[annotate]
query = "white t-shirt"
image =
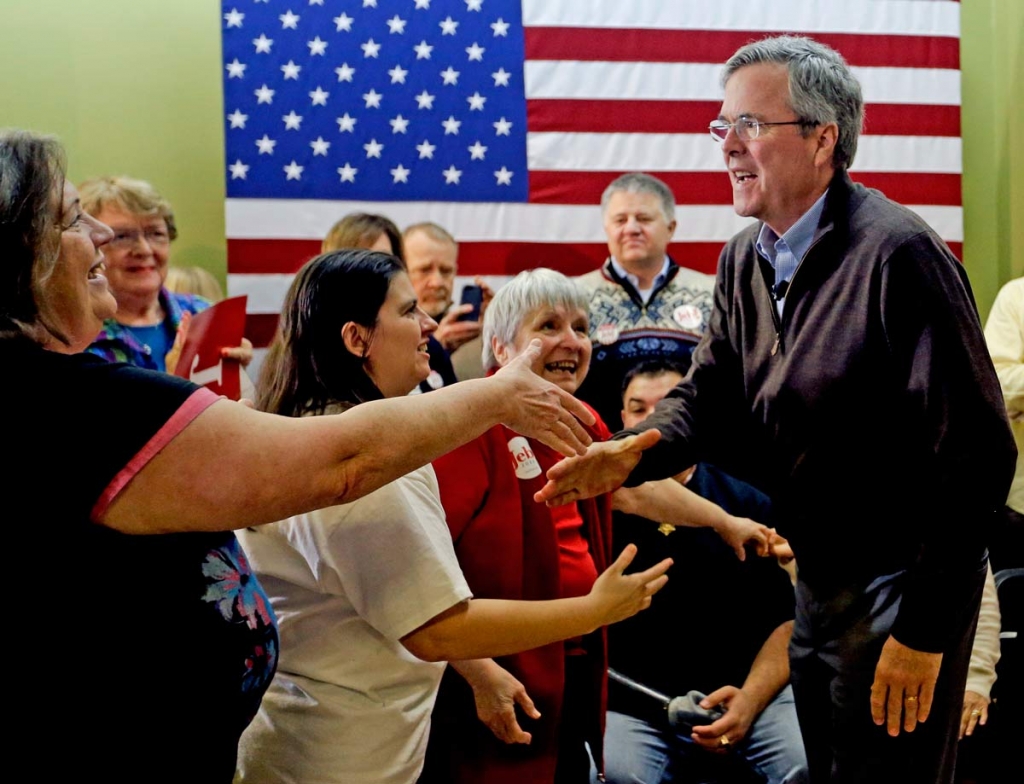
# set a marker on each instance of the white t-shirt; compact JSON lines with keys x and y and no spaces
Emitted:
{"x":349,"y":703}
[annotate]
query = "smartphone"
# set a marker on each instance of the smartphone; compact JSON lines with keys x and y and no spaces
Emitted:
{"x":472,"y":295}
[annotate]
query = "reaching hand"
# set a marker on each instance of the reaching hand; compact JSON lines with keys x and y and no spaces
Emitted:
{"x":778,"y":546}
{"x":619,"y":596}
{"x":904,"y":684}
{"x":738,"y":531}
{"x":731,"y":728}
{"x":603,"y":469}
{"x":539,"y":409}
{"x":496,"y":694}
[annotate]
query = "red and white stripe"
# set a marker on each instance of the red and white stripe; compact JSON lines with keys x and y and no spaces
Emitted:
{"x":615,"y":86}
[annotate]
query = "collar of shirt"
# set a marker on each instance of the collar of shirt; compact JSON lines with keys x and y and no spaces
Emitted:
{"x":784,"y":253}
{"x":645,"y":294}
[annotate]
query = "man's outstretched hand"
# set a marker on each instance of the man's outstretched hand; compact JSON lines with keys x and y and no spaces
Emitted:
{"x":602,"y":469}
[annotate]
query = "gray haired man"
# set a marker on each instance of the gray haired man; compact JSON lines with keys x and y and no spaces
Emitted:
{"x":844,"y":373}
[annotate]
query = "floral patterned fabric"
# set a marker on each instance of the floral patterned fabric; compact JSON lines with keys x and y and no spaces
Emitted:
{"x":132,"y":658}
{"x":239,"y":598}
{"x":116,"y":343}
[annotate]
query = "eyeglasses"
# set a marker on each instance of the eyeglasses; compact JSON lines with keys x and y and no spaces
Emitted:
{"x":125,"y":239}
{"x":747,"y":128}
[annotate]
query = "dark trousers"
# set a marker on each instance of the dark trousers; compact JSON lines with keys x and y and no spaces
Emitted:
{"x":833,"y":652}
{"x":1006,"y":544}
{"x":577,"y":714}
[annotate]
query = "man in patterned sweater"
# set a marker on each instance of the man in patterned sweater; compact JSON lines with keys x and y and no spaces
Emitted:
{"x":643,"y":305}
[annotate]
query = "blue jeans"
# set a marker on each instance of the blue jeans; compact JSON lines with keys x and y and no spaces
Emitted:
{"x":636,"y":752}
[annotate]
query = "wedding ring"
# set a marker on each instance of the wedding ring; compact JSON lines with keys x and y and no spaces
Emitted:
{"x":975,"y":712}
{"x":911,"y":699}
{"x":724,"y":741}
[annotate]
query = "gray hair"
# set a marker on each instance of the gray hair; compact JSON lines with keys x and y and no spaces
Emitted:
{"x":821,"y":86}
{"x":638,"y":182}
{"x":32,"y":168}
{"x":525,"y":293}
{"x":136,"y":197}
{"x":432,"y":230}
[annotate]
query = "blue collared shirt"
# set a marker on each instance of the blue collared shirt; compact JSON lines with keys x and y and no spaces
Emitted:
{"x":645,"y":294}
{"x":784,"y":253}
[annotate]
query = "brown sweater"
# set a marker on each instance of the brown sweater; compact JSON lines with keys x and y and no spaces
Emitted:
{"x":870,"y":412}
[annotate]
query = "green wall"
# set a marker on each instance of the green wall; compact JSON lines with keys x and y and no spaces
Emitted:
{"x":992,"y":38}
{"x":127,"y":86}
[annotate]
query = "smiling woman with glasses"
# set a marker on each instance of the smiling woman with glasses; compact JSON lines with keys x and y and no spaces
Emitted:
{"x":149,"y":317}
{"x":126,"y":239}
{"x":747,"y":128}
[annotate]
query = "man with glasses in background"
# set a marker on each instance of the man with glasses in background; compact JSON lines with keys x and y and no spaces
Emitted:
{"x":432,"y":258}
{"x":844,"y":373}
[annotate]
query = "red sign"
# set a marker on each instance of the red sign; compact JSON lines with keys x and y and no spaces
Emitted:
{"x":218,"y":327}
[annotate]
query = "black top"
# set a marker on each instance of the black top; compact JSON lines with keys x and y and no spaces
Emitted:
{"x":441,"y":364}
{"x":141,"y":658}
{"x":706,"y":626}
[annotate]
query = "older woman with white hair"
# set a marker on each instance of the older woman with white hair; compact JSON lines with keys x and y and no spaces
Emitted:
{"x":510,"y":547}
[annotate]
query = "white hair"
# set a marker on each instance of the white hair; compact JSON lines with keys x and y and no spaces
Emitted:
{"x":526,"y":292}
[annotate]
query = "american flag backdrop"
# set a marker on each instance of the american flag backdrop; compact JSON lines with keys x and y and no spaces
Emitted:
{"x":504,"y":120}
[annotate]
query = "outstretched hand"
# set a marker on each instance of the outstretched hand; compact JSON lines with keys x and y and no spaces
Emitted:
{"x":737,"y":532}
{"x":779,"y":548}
{"x":619,"y":596}
{"x":538,"y":409}
{"x":603,"y":469}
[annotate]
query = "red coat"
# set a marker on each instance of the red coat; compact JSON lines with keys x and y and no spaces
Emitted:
{"x":507,"y":548}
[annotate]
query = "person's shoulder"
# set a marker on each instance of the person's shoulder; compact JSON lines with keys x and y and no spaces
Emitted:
{"x":395,"y":492}
{"x":690,"y":278}
{"x":887,"y":215}
{"x":874,"y":220}
{"x":419,"y":483}
{"x":742,"y":242}
{"x":595,"y":278}
{"x":1012,"y":292}
{"x":41,"y":368}
{"x":187,"y":303}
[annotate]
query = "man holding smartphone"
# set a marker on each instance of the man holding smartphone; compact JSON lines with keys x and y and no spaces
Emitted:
{"x":431,"y":254}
